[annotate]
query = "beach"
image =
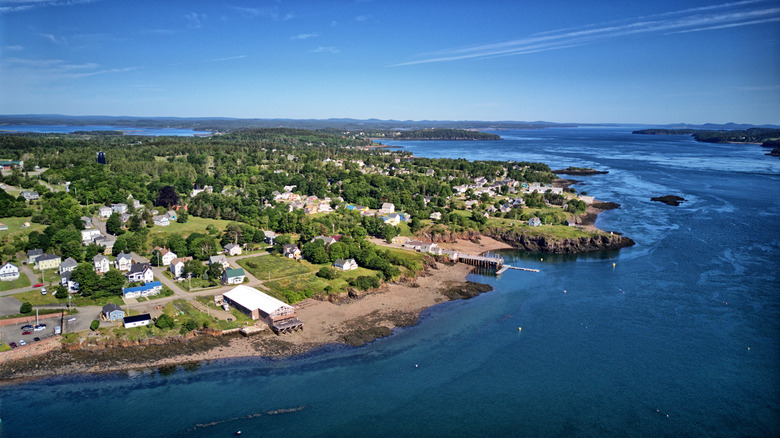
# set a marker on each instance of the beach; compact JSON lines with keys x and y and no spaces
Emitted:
{"x":350,"y":321}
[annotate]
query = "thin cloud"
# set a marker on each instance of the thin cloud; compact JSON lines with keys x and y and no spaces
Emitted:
{"x":272,"y":13}
{"x":50,"y":69}
{"x":14,"y":48}
{"x":304,"y":36}
{"x":54,"y":39}
{"x":229,"y":58}
{"x":194,"y":20}
{"x":26,"y":5}
{"x":689,"y":20}
{"x":326,"y":49}
{"x":362,"y":18}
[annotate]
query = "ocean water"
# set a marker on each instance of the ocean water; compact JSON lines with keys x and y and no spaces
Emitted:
{"x":128,"y":130}
{"x":676,"y":336}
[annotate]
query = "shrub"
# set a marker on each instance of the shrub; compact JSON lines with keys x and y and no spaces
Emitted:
{"x":94,"y":325}
{"x":327,"y":273}
{"x":25,"y":308}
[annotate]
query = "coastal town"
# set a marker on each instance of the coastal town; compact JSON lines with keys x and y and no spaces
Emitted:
{"x":95,"y":256}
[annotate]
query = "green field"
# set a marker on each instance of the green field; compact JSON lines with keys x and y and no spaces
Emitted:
{"x":271,"y":266}
{"x":15,"y":226}
{"x":22,"y":281}
{"x":194,"y":225}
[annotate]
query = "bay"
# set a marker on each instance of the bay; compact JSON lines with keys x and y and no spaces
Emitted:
{"x":676,"y":336}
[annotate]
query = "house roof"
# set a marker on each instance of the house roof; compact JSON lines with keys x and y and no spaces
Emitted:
{"x":252,"y":298}
{"x":68,"y":262}
{"x":238,"y":272}
{"x":122,"y":255}
{"x":110,"y":307}
{"x":99,"y":258}
{"x":137,"y":318}
{"x":217,"y":259}
{"x":138,"y":267}
{"x":230,"y":246}
{"x":344,"y":261}
{"x":48,"y":257}
{"x":147,"y":286}
{"x":36,"y":251}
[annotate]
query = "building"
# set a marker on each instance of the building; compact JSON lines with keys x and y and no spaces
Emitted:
{"x":233,"y":276}
{"x":151,"y":288}
{"x":112,"y":312}
{"x":140,"y":272}
{"x":123,"y":262}
{"x":101,"y":158}
{"x":327,"y":241}
{"x":48,"y":261}
{"x":65,"y":280}
{"x":177,"y":266}
{"x":68,"y":265}
{"x":87,"y":222}
{"x":387,"y":208}
{"x":535,"y":222}
{"x":162,"y":220}
{"x":106,"y":242}
{"x":435,"y":216}
{"x":345,"y":264}
{"x":172,"y":216}
{"x":9,"y":272}
{"x":137,"y":320}
{"x":30,"y":195}
{"x":3,"y":227}
{"x":291,"y":251}
{"x":105,"y":212}
{"x":391,"y":219}
{"x":279,"y":316}
{"x":269,"y":237}
{"x":89,"y":235}
{"x":33,"y":255}
{"x":166,"y":255}
{"x":233,"y":249}
{"x":219,"y":260}
{"x":119,"y":208}
{"x":102,"y":265}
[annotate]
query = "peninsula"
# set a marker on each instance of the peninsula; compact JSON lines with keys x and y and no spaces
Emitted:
{"x":358,"y":240}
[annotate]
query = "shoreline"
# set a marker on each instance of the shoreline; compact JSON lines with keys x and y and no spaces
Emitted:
{"x":352,"y":322}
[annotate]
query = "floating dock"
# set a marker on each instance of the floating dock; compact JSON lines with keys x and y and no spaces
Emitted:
{"x":505,"y":267}
{"x":481,"y":261}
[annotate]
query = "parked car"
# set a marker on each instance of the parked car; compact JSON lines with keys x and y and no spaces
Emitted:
{"x":71,"y":319}
{"x":38,"y":285}
{"x":40,"y":327}
{"x":57,"y":330}
{"x":22,"y":343}
{"x":27,"y":327}
{"x":13,"y":344}
{"x":36,"y":339}
{"x":43,"y":291}
{"x":26,"y":332}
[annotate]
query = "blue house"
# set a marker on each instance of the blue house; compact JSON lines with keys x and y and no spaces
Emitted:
{"x":151,"y":288}
{"x":112,"y":312}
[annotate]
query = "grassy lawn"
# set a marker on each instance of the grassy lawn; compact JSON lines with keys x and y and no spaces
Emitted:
{"x":272,"y":266}
{"x":22,"y":281}
{"x":15,"y":226}
{"x":166,"y":292}
{"x":197,"y":284}
{"x":194,"y":225}
{"x":552,"y":231}
{"x":183,"y":311}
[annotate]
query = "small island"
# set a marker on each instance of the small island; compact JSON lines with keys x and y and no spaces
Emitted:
{"x":669,"y":200}
{"x":766,"y":137}
{"x":582,"y":171}
{"x":436,"y":134}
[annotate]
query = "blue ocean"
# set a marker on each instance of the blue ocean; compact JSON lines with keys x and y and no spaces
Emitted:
{"x":678,"y":335}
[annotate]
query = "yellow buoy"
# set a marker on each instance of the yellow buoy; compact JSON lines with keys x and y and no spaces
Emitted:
{"x":613,"y":265}
{"x":521,"y":329}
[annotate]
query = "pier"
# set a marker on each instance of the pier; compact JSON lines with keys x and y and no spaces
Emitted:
{"x":481,"y":261}
{"x":505,"y":267}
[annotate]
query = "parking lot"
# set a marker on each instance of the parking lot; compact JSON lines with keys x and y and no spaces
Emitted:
{"x":69,"y":323}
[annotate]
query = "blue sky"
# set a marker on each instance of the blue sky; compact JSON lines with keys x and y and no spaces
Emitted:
{"x":564,"y":61}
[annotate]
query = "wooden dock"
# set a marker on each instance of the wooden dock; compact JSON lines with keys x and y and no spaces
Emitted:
{"x":481,"y":261}
{"x":505,"y":267}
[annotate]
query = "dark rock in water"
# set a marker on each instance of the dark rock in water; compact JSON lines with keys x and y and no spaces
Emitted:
{"x":669,"y":200}
{"x":466,"y":290}
{"x":582,"y":171}
{"x":531,"y":243}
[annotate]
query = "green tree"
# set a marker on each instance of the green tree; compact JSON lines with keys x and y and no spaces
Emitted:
{"x":327,"y":273}
{"x":111,"y":283}
{"x":94,"y":325}
{"x":25,"y":308}
{"x":60,"y":292}
{"x":114,"y":224}
{"x":164,"y":321}
{"x":87,"y":278}
{"x":182,"y":216}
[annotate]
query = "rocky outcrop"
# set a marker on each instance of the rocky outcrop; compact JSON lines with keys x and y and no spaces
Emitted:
{"x":602,"y":242}
{"x":446,"y":236}
{"x":672,"y":200}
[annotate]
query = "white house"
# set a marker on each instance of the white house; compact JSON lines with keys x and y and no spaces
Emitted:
{"x":387,"y":208}
{"x":150,"y":288}
{"x":65,"y":280}
{"x":89,"y":235}
{"x":105,"y":212}
{"x":162,"y":221}
{"x":233,"y":276}
{"x":177,"y":266}
{"x":102,"y":264}
{"x":123,"y":261}
{"x":232,"y":249}
{"x":345,"y":265}
{"x":30,"y":195}
{"x":140,"y":272}
{"x":119,"y":208}
{"x":68,"y":265}
{"x":435,"y":216}
{"x":258,"y":305}
{"x":9,"y":272}
{"x":219,"y":259}
{"x":137,"y":320}
{"x":166,"y":255}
